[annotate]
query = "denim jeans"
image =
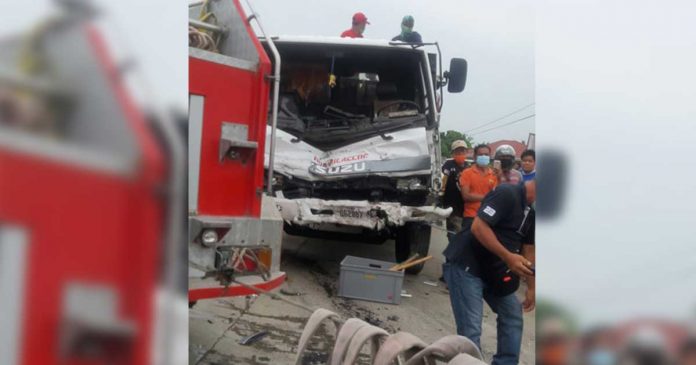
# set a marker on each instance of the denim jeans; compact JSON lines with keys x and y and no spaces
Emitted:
{"x":467,"y":293}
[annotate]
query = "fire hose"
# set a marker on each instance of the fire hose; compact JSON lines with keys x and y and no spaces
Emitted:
{"x":385,"y":348}
{"x":203,"y":39}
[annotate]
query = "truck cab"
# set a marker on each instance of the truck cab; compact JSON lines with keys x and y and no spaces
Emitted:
{"x":357,"y":150}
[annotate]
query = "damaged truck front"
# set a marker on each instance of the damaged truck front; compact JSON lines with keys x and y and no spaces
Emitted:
{"x":357,"y":151}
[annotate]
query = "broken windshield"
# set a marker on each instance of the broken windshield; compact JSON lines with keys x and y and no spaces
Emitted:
{"x":336,"y":94}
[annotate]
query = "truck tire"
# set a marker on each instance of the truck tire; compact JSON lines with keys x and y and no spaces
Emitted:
{"x":410,"y":239}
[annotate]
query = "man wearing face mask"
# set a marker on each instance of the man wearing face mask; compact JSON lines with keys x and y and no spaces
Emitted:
{"x":506,"y":174}
{"x":475,"y":182}
{"x":597,"y":347}
{"x":450,"y":182}
{"x":407,"y":34}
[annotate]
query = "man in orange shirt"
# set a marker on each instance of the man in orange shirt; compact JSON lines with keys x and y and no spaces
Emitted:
{"x":475,"y":182}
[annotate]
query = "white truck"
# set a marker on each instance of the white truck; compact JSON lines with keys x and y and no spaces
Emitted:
{"x":357,"y":151}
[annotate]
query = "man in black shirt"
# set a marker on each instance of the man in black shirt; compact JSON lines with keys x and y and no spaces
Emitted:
{"x":452,"y":195}
{"x":487,"y":262}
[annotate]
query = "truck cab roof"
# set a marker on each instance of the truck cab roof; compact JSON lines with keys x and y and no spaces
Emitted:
{"x":365,"y":42}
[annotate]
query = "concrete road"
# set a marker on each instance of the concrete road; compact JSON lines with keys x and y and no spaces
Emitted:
{"x":312,"y":265}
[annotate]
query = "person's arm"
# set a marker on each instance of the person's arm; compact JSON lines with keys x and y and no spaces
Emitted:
{"x":445,"y":175}
{"x":528,"y":251}
{"x":529,"y":254}
{"x":470,"y":197}
{"x":484,"y":234}
{"x":530,"y":296}
{"x":499,"y":174}
{"x":465,"y":187}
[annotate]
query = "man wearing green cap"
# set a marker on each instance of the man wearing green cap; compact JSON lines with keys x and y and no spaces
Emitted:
{"x":407,"y":34}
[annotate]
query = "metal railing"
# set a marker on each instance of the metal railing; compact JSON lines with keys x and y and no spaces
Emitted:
{"x":206,"y":26}
{"x":276,"y":92}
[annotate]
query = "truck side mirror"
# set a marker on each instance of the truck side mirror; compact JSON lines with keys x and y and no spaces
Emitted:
{"x":456,"y":76}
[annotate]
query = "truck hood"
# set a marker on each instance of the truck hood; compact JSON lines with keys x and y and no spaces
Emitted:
{"x":406,"y":154}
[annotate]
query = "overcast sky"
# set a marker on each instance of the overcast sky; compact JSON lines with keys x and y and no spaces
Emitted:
{"x":496,"y":38}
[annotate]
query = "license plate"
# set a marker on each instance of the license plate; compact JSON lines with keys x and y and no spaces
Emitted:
{"x":350,"y":213}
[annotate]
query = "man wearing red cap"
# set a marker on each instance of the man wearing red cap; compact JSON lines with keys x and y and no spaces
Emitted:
{"x":359,"y":22}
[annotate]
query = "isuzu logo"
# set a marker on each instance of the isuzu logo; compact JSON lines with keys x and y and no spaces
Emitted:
{"x":338,"y":170}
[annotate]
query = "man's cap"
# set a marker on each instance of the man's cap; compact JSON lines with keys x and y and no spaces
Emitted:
{"x":408,"y":21}
{"x":458,"y":144}
{"x":360,"y":18}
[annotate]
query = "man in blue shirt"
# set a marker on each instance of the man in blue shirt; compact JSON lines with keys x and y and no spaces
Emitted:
{"x":528,"y":165}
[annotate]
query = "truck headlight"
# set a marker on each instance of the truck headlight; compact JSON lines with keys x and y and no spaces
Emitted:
{"x":410,"y":184}
{"x":278,"y":179}
{"x":209,"y":237}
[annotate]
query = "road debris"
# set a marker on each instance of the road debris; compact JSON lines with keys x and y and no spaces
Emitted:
{"x":250,"y":340}
{"x":408,"y":264}
{"x":410,"y":259}
{"x":314,"y":358}
{"x":289,"y":292}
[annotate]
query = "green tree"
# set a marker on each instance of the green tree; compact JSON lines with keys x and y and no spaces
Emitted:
{"x":547,"y":309}
{"x":446,"y":139}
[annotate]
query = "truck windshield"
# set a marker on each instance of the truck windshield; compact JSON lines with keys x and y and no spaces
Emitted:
{"x":331,"y":95}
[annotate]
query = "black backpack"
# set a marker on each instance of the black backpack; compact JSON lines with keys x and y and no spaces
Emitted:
{"x":499,"y":280}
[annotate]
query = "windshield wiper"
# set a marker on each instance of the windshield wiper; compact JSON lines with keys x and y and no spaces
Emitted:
{"x":381,"y":132}
{"x":335,"y":112}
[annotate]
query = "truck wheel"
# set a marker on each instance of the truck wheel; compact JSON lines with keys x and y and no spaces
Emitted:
{"x":410,"y":239}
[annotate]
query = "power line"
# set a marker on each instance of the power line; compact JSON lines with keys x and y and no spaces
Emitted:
{"x":503,"y":117}
{"x":503,"y":125}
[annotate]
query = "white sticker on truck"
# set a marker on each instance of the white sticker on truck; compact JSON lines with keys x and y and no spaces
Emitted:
{"x":406,"y":154}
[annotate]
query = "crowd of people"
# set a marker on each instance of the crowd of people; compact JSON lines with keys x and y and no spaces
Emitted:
{"x":491,"y":241}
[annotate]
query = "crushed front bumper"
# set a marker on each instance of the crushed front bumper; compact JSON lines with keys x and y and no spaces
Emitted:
{"x":358,"y":213}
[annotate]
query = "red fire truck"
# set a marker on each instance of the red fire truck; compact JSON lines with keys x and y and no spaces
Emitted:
{"x":92,"y":198}
{"x":89,"y":201}
{"x":235,"y":228}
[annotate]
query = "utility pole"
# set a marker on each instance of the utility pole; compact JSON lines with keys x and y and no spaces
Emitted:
{"x":531,"y":141}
